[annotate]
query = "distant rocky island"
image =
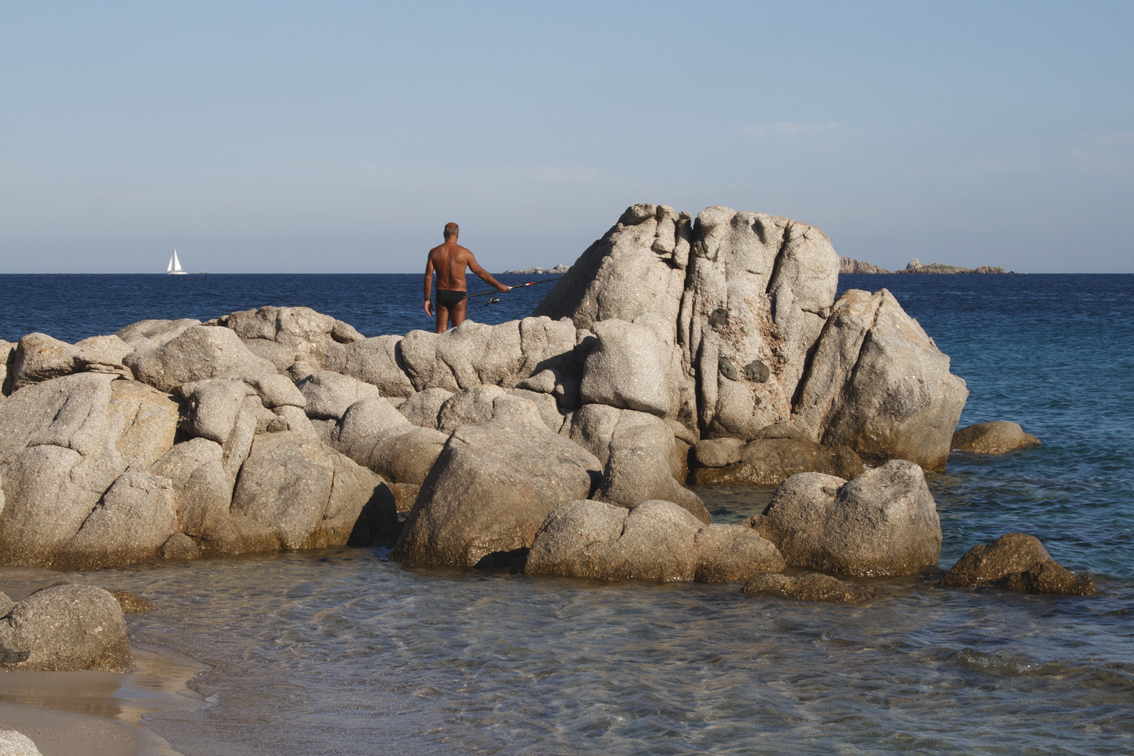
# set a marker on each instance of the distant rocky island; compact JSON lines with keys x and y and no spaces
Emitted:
{"x":559,"y":270}
{"x":848,"y":265}
{"x":915,"y":266}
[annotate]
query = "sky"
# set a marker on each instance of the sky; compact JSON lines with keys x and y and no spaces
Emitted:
{"x":340,"y":137}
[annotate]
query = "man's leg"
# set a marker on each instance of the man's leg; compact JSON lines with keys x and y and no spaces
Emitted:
{"x":458,"y":311}
{"x":442,"y":314}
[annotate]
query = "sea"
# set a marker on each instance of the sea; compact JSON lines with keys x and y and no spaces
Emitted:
{"x":347,"y":652}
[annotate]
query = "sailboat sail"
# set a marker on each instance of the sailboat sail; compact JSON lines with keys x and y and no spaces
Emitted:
{"x":174,"y":267}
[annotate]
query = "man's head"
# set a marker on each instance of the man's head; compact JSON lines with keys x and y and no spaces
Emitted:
{"x":451,"y":230}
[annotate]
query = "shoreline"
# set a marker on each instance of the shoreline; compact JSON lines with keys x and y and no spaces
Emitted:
{"x":100,"y":713}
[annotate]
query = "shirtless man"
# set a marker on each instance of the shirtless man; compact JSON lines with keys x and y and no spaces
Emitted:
{"x":450,"y":260}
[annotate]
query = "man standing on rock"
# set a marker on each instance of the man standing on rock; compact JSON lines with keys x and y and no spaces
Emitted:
{"x":450,"y":260}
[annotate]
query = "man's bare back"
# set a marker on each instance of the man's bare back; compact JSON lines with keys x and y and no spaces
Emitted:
{"x":449,"y":261}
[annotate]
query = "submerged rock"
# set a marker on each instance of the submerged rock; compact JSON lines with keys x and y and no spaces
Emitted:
{"x":997,"y":437}
{"x":809,"y":587}
{"x":1018,"y":562}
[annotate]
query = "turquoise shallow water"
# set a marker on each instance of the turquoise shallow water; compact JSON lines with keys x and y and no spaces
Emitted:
{"x":346,"y":652}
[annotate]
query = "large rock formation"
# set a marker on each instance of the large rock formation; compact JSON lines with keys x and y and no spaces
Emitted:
{"x":741,"y":333}
{"x":286,"y":428}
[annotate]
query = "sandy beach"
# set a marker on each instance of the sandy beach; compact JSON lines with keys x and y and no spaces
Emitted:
{"x":98,"y":713}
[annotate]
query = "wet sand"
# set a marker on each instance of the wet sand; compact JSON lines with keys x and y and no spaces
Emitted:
{"x":98,"y":713}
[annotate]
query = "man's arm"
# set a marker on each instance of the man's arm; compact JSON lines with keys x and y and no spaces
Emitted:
{"x":484,"y":275}
{"x":428,"y":283}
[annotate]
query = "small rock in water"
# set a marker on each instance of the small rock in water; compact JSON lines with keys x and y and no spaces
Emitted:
{"x":1020,"y":563}
{"x":997,"y":437}
{"x":131,"y":603}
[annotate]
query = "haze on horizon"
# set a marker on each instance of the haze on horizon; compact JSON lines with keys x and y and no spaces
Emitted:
{"x":259,"y":137}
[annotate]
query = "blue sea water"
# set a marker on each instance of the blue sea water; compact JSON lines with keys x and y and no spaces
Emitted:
{"x":346,"y":652}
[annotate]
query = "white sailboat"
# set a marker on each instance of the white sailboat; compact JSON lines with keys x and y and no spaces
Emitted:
{"x":174,"y":267}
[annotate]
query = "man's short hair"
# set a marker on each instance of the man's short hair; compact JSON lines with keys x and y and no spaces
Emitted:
{"x":451,"y":229}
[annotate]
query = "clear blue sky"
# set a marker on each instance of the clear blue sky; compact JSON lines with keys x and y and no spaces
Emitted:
{"x":341,"y":136}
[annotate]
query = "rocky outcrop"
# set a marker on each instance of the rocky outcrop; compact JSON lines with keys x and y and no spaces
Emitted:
{"x":1018,"y":562}
{"x":7,"y":352}
{"x":768,"y":461}
{"x":377,"y":361}
{"x":39,"y":357}
{"x":809,"y":587}
{"x":850,"y":266}
{"x":996,"y":437}
{"x":629,"y":366}
{"x":297,"y":340}
{"x":328,"y":395}
{"x":491,"y":488}
{"x":654,"y":541}
{"x":758,"y":292}
{"x":286,"y":428}
{"x":744,"y":335}
{"x":197,"y":353}
{"x":476,"y":354}
{"x":147,"y":335}
{"x":484,"y":404}
{"x":91,"y":477}
{"x":637,"y":267}
{"x":882,"y":523}
{"x":65,"y":628}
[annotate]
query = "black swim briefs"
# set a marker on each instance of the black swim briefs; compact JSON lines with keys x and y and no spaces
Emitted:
{"x":448,"y":298}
